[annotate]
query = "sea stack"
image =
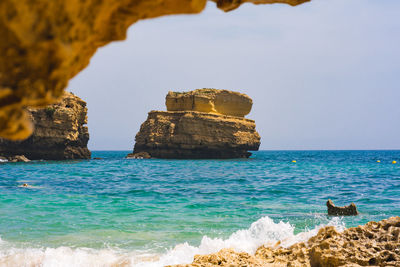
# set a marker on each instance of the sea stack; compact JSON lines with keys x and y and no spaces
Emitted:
{"x":200,"y":124}
{"x":60,"y":133}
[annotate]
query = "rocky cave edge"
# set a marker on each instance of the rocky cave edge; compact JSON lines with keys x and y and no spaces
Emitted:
{"x":46,"y":43}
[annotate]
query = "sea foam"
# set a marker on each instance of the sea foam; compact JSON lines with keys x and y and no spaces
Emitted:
{"x":262,"y":232}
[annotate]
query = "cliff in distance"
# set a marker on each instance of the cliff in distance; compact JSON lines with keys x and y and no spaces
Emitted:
{"x":198,"y":127}
{"x":60,"y":132}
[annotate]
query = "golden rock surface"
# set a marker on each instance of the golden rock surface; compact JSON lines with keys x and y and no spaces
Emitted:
{"x":60,"y":132}
{"x":195,"y":127}
{"x":373,"y":244}
{"x":193,"y":134}
{"x":44,"y":43}
{"x":216,"y":101}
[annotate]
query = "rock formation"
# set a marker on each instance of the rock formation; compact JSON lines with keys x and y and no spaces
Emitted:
{"x":140,"y":155}
{"x":59,"y":133}
{"x":199,"y":128}
{"x":376,"y":244}
{"x":46,"y":43}
{"x":350,"y":210}
{"x":222,"y":102}
{"x":16,"y":158}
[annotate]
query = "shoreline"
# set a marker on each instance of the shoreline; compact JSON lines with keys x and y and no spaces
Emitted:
{"x":375,"y":243}
{"x":372,"y":244}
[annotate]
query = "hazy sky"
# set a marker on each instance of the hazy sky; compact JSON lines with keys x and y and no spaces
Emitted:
{"x":322,"y":75}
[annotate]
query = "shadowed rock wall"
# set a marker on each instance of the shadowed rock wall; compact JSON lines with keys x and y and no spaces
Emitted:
{"x":44,"y":43}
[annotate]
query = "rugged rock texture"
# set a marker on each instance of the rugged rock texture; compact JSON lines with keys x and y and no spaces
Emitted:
{"x":17,"y":158}
{"x":225,"y":257}
{"x":374,"y":244}
{"x":140,"y":155}
{"x":192,"y":134}
{"x":210,"y":100}
{"x":59,"y":132}
{"x":44,"y":43}
{"x":350,"y":210}
{"x":197,"y":129}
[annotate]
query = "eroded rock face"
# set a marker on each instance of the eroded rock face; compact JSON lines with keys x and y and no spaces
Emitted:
{"x":222,"y":102}
{"x":60,"y":132}
{"x":45,"y":43}
{"x":197,"y":128}
{"x":16,"y":158}
{"x":376,"y":244}
{"x":140,"y":155}
{"x":196,"y":135}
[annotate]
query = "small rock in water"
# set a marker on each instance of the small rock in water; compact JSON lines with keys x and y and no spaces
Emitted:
{"x":21,"y":158}
{"x":140,"y":155}
{"x":18,"y":158}
{"x":350,"y":210}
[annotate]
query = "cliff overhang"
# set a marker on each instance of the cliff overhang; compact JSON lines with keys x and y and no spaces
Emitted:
{"x":46,"y":43}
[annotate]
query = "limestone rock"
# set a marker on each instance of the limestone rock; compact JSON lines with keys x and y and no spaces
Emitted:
{"x":16,"y":158}
{"x":60,"y":132}
{"x":376,"y":244}
{"x":225,"y":258}
{"x":20,"y":158}
{"x":210,"y":100}
{"x":198,"y":134}
{"x":350,"y":210}
{"x":140,"y":155}
{"x":45,"y":43}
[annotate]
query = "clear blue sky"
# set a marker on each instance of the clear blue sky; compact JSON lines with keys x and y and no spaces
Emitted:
{"x":323,"y":75}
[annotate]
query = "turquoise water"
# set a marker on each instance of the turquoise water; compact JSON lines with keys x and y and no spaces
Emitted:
{"x":140,"y":210}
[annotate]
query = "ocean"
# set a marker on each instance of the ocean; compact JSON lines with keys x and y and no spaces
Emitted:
{"x":131,"y":212}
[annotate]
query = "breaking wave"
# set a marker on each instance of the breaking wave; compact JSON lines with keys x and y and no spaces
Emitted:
{"x":262,"y":232}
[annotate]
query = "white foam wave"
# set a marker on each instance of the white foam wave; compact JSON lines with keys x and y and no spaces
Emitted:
{"x":262,"y":232}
